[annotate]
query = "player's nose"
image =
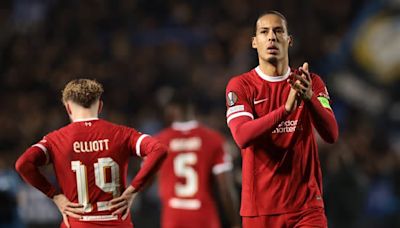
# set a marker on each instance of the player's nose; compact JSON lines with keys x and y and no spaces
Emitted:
{"x":271,"y":35}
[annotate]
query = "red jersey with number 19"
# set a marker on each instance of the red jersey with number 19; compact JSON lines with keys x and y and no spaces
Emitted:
{"x":281,"y":168}
{"x":90,"y":160}
{"x":196,"y":153}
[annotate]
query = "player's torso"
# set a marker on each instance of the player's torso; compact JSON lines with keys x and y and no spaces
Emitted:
{"x":266,"y":96}
{"x":90,"y":159}
{"x":185,"y":177}
{"x":279,"y":167}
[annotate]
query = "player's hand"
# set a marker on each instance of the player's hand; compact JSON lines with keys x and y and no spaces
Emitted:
{"x":122,"y":204}
{"x":291,"y":102}
{"x":67,"y":208}
{"x":302,"y":83}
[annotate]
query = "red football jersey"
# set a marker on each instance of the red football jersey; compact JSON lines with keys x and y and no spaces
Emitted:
{"x":90,"y":159}
{"x":281,"y":170}
{"x":196,"y":153}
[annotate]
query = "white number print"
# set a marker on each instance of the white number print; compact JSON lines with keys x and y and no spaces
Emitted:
{"x":183,"y":168}
{"x":100,"y":170}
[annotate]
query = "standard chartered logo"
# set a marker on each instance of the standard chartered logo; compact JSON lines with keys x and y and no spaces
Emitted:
{"x":286,"y":126}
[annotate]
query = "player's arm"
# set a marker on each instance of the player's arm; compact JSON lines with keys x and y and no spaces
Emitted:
{"x":28,"y":165}
{"x":222,"y":171}
{"x":244,"y":127}
{"x":228,"y":196}
{"x":154,"y":153}
{"x":322,"y":115}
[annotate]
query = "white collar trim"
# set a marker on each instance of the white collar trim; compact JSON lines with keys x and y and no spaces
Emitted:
{"x":85,"y":119}
{"x":272,"y":78}
{"x":184,"y":126}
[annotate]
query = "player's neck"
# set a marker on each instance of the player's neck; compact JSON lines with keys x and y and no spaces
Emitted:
{"x":277,"y":69}
{"x":82,"y":115}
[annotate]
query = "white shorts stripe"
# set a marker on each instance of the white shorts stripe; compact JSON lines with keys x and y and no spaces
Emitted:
{"x":138,"y":142}
{"x":233,"y":116}
{"x":99,"y":218}
{"x":186,"y":204}
{"x":220,"y":168}
{"x":44,"y":149}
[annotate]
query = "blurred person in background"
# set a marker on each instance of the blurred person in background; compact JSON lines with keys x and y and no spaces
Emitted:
{"x":271,"y":112}
{"x":10,"y":185}
{"x":197,"y":159}
{"x":90,"y":158}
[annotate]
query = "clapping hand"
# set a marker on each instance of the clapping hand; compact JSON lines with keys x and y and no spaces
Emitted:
{"x":302,"y":83}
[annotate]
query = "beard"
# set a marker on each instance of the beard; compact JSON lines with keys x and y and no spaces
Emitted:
{"x":273,"y":60}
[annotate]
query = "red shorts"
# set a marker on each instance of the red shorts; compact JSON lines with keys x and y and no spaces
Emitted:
{"x":74,"y":223}
{"x":173,"y":218}
{"x":313,"y":217}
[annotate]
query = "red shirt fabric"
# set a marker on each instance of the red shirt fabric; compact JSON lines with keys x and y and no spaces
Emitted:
{"x":281,"y":170}
{"x":90,"y":158}
{"x":196,"y":154}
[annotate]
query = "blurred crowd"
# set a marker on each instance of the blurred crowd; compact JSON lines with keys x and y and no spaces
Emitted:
{"x":144,"y":50}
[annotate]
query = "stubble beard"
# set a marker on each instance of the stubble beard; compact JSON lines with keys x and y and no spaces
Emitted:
{"x":273,"y":60}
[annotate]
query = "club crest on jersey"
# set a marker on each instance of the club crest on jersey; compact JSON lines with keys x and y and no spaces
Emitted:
{"x":231,"y":98}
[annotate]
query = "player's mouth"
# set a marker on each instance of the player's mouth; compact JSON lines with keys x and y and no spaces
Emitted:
{"x":272,"y":49}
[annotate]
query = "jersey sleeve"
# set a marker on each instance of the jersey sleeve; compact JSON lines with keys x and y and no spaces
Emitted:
{"x":322,"y":115}
{"x":28,"y":165}
{"x":140,"y":144}
{"x":321,"y":92}
{"x":152,"y":151}
{"x":44,"y":146}
{"x":222,"y":161}
{"x":237,"y":101}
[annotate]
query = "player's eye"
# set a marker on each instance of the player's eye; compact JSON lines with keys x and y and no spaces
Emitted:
{"x":279,"y":31}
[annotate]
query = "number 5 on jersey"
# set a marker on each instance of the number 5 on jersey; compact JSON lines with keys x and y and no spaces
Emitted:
{"x":183,"y":168}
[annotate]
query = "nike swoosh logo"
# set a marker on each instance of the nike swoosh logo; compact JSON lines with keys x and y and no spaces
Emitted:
{"x":259,"y":101}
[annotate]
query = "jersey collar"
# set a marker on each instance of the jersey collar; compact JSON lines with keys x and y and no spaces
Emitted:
{"x":272,"y":78}
{"x":184,"y":126}
{"x":85,"y":119}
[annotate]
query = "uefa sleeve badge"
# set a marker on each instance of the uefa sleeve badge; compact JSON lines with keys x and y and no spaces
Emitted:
{"x":231,"y":98}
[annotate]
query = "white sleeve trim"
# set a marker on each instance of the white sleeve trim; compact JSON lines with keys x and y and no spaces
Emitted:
{"x":138,"y":142}
{"x":44,"y":149}
{"x":233,"y":116}
{"x":223,"y":167}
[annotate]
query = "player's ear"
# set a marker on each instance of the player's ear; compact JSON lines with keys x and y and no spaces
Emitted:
{"x":100,"y":107}
{"x":290,"y":39}
{"x":68,"y":108}
{"x":253,"y":42}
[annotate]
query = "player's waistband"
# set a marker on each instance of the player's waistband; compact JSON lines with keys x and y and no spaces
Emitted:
{"x":99,"y":218}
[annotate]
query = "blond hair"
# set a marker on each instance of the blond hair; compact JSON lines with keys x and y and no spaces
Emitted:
{"x":84,"y":92}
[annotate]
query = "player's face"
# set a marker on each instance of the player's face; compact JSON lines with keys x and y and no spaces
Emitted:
{"x":271,"y":39}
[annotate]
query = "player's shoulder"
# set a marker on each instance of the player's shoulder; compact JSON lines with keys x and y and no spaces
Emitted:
{"x":242,"y":79}
{"x":164,"y":133}
{"x":315,"y":76}
{"x":55,"y":133}
{"x":110,"y":126}
{"x":210,"y":133}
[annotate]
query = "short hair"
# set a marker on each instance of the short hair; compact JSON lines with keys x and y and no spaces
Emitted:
{"x":84,"y":92}
{"x":274,"y":12}
{"x":182,"y":99}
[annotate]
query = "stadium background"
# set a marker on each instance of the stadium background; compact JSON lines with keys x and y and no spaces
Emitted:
{"x":142,"y":50}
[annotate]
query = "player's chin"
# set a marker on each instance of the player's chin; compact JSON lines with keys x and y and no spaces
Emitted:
{"x":272,"y":59}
